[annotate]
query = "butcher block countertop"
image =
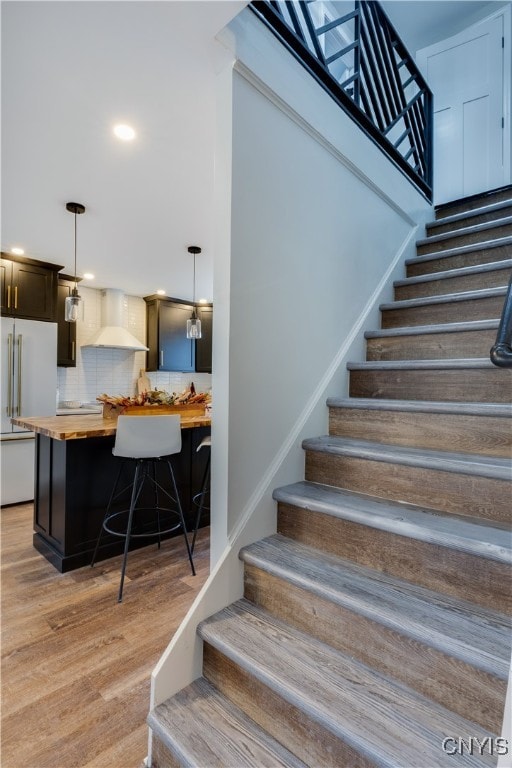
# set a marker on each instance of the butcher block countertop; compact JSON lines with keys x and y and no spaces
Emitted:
{"x":94,"y":425}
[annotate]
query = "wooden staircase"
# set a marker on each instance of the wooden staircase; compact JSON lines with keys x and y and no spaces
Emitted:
{"x":374,"y":623}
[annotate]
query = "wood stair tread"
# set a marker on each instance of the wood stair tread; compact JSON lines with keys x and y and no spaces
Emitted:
{"x":200,"y":726}
{"x":461,"y":249}
{"x":418,"y":330}
{"x":479,"y":198}
{"x":387,"y":723}
{"x":463,"y":534}
{"x":474,"y":212}
{"x":473,"y":634}
{"x":483,"y":227}
{"x":445,"y":298}
{"x":445,"y":461}
{"x":423,"y":406}
{"x":459,"y":272}
{"x":480,"y":363}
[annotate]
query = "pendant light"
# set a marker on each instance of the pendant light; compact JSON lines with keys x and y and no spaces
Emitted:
{"x":194,"y":324}
{"x":72,"y":305}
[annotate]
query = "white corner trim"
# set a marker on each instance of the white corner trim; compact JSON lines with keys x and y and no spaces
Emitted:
{"x":318,"y":393}
{"x":278,"y":102}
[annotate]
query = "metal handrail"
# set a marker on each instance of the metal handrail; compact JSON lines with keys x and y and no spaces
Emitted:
{"x":359,"y":59}
{"x":501,"y":352}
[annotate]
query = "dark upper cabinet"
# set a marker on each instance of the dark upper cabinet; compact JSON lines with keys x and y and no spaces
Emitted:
{"x":66,"y":332}
{"x":204,"y":344}
{"x":169,"y":348}
{"x":28,"y":288}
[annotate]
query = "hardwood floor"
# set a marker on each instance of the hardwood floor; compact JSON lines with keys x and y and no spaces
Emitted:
{"x":76,"y":665}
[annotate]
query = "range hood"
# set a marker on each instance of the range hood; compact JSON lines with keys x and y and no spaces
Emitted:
{"x":112,"y":334}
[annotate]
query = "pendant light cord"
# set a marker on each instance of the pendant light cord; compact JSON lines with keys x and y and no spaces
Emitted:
{"x":194,"y":294}
{"x":76,"y":288}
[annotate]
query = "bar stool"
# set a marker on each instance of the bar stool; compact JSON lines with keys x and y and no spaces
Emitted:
{"x":198,"y":498}
{"x":146,"y":440}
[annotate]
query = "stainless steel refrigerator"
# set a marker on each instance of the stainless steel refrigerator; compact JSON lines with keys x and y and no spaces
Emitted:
{"x":29,"y":387}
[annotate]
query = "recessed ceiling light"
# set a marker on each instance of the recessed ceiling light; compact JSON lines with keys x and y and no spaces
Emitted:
{"x":124,"y":132}
{"x":17,"y":251}
{"x":203,"y":301}
{"x":88,"y":276}
{"x":160,"y":292}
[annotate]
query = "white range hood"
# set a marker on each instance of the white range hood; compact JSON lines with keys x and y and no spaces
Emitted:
{"x":112,"y":334}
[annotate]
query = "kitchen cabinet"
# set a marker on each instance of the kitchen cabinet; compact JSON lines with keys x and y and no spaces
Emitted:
{"x":169,"y":348}
{"x":66,"y":332}
{"x":28,"y":288}
{"x":204,"y":344}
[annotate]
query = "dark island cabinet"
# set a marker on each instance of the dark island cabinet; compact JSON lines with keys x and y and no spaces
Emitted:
{"x":69,"y":508}
{"x":28,"y":288}
{"x":169,"y":348}
{"x":66,"y":332}
{"x":204,"y":344}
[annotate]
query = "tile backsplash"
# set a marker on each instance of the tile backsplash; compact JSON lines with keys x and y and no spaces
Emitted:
{"x":115,"y":371}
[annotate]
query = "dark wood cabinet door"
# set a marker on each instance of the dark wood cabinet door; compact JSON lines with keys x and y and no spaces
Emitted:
{"x":204,"y":344}
{"x":6,"y":287}
{"x":175,"y":351}
{"x":66,"y":332}
{"x":33,"y":292}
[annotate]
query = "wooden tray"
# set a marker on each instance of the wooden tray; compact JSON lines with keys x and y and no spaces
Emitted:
{"x":113,"y":411}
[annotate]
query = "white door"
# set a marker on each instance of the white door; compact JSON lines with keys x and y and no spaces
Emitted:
{"x":465,"y":74}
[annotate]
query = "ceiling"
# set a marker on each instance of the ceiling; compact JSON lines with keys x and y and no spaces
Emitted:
{"x":70,"y":71}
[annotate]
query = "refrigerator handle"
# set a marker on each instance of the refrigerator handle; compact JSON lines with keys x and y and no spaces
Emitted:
{"x":20,"y":369}
{"x":9,"y":375}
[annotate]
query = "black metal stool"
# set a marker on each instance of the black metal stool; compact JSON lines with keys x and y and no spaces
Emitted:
{"x":199,"y":498}
{"x":145,"y":440}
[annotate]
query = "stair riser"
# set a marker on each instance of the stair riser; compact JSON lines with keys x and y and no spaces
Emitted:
{"x":457,"y":685}
{"x":469,"y":221}
{"x":304,"y":737}
{"x":459,"y":261}
{"x":482,"y":236}
{"x":448,"y":492}
{"x":484,"y":435}
{"x":488,"y":198}
{"x":431,"y":346}
{"x":452,"y":385}
{"x":161,"y":757}
{"x":458,"y":574}
{"x":488,"y":308}
{"x":496,"y":279}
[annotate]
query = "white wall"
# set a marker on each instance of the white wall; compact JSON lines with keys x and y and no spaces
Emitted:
{"x":313,"y":224}
{"x":115,"y":371}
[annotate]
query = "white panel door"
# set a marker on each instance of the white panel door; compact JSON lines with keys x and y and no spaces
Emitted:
{"x":465,"y":73}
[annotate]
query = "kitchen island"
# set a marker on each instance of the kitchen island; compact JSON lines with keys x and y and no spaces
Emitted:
{"x":74,"y":475}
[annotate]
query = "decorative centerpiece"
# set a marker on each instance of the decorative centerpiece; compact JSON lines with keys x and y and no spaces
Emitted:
{"x":155,"y":402}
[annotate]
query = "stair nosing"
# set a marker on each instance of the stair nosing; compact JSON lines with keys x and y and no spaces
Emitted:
{"x":463,"y":231}
{"x":445,"y":298}
{"x":495,"y":468}
{"x":418,"y":330}
{"x":421,"y":524}
{"x":460,"y":250}
{"x":284,"y":681}
{"x":492,"y":266}
{"x":462,"y":363}
{"x":359,"y":600}
{"x":499,"y":410}
{"x":470,"y":213}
